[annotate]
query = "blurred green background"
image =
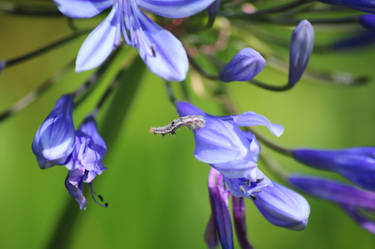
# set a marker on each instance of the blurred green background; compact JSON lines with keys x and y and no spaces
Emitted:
{"x":157,"y":191}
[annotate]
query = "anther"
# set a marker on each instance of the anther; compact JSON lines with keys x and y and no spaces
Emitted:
{"x":153,"y":50}
{"x":259,"y":180}
{"x":93,"y":194}
{"x":242,"y":189}
{"x":252,"y":197}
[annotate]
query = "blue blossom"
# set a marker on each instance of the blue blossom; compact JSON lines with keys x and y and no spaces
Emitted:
{"x":301,"y":46}
{"x":221,"y":143}
{"x":356,"y":164}
{"x":54,"y":141}
{"x":244,"y":66}
{"x":86,"y":161}
{"x":363,"y":5}
{"x":367,"y":21}
{"x":354,"y":201}
{"x":160,"y":50}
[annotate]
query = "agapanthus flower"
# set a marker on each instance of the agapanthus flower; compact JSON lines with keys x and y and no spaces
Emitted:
{"x":160,"y":50}
{"x":222,"y":144}
{"x":356,"y":164}
{"x":81,"y":152}
{"x":53,"y":142}
{"x":356,"y":202}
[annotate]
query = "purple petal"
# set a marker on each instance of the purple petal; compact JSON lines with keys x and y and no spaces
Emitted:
{"x":253,"y":119}
{"x":219,"y":142}
{"x":363,"y":221}
{"x":54,"y":140}
{"x":240,"y":222}
{"x":89,"y":128}
{"x":174,"y":8}
{"x":210,"y":235}
{"x":100,"y":43}
{"x":367,"y":21}
{"x":74,"y":185}
{"x":82,"y":8}
{"x":283,"y":207}
{"x":220,"y":209}
{"x":244,"y":66}
{"x":185,"y":109}
{"x":334,"y":191}
{"x":163,"y":53}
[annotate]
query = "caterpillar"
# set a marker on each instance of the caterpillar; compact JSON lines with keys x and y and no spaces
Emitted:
{"x":194,"y":122}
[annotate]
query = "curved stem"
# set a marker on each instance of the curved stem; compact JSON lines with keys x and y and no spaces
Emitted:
{"x":271,"y":87}
{"x":38,"y":52}
{"x":200,"y":70}
{"x":171,"y":96}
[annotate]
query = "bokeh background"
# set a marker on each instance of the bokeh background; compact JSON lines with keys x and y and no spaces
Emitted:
{"x":157,"y":191}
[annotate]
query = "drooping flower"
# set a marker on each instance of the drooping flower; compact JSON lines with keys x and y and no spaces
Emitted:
{"x":301,"y":46}
{"x":221,"y":143}
{"x":354,"y":201}
{"x":356,"y":164}
{"x":244,"y":66}
{"x":160,"y":50}
{"x":54,"y":141}
{"x":86,"y":161}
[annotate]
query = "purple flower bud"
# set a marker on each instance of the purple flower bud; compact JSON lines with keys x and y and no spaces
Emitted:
{"x":243,"y":67}
{"x":354,"y":201}
{"x":367,"y":21}
{"x":363,"y":5}
{"x":54,"y":141}
{"x":334,"y":191}
{"x":212,"y":10}
{"x":356,"y":164}
{"x":283,"y":207}
{"x":301,"y":46}
{"x":219,"y":205}
{"x":240,"y":222}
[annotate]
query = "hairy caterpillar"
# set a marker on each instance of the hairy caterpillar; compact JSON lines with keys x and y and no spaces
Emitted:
{"x":192,"y":121}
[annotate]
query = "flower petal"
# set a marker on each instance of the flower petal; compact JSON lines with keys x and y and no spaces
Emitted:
{"x":283,"y":207}
{"x":82,"y":8}
{"x":253,"y":119}
{"x":74,"y":185}
{"x":363,"y":221}
{"x":174,"y":8}
{"x":240,"y":222}
{"x":219,"y":141}
{"x":163,"y":53}
{"x":100,"y":43}
{"x":185,"y":109}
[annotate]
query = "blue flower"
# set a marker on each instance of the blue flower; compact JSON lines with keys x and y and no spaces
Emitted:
{"x":354,"y":201}
{"x":243,"y":67}
{"x":160,"y":50}
{"x":356,"y":164}
{"x":278,"y":204}
{"x":221,"y":143}
{"x":363,"y":5}
{"x":301,"y":46}
{"x":367,"y":21}
{"x":86,"y":161}
{"x":54,"y":141}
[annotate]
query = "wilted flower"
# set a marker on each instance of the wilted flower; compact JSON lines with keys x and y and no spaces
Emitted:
{"x":160,"y":50}
{"x":354,"y":201}
{"x":86,"y":161}
{"x":54,"y":141}
{"x":221,"y":143}
{"x":356,"y":164}
{"x":244,"y":66}
{"x":301,"y":46}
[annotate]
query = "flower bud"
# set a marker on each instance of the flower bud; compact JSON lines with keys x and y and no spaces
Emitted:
{"x":54,"y":141}
{"x":363,"y":5}
{"x":283,"y":207}
{"x":212,"y":10}
{"x":301,"y":46}
{"x":367,"y":21}
{"x":356,"y":164}
{"x":243,"y":67}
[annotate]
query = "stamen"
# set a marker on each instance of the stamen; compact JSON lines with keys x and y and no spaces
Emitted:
{"x":93,"y":194}
{"x":259,"y":180}
{"x":252,"y":197}
{"x":242,"y":189}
